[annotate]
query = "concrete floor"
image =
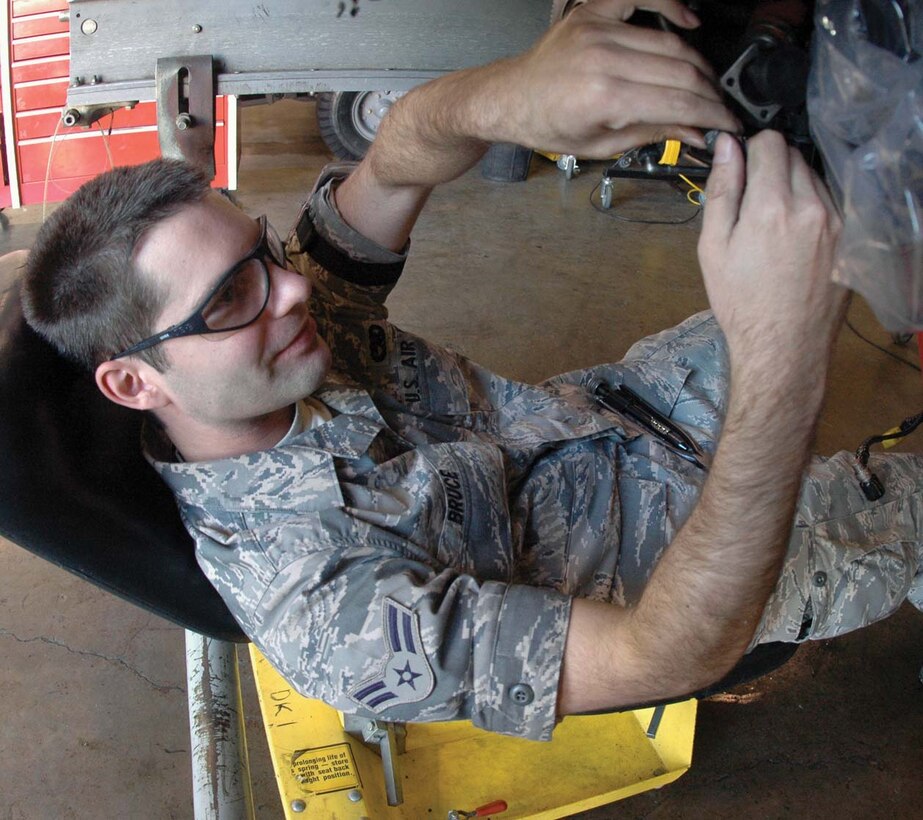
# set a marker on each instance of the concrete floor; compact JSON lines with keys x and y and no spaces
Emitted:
{"x":530,"y":280}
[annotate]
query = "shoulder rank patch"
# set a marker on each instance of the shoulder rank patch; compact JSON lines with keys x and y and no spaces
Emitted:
{"x":405,"y":676}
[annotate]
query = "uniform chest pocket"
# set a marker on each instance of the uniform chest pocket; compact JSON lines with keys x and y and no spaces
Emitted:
{"x":566,"y":520}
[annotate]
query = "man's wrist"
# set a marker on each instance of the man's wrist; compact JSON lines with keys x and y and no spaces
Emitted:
{"x":483,"y":116}
{"x":441,"y":129}
{"x":777,"y":381}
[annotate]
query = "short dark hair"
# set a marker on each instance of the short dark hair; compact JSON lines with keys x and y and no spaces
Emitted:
{"x":81,"y":289}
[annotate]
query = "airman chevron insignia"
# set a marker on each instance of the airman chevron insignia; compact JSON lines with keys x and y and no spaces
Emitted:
{"x":405,"y":676}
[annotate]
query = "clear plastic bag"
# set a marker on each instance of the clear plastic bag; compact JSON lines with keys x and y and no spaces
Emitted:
{"x":865,"y":103}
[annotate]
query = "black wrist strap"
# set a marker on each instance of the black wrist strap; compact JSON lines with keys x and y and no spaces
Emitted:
{"x":335,"y":260}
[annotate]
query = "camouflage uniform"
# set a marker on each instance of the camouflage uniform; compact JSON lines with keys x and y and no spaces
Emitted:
{"x":415,"y":557}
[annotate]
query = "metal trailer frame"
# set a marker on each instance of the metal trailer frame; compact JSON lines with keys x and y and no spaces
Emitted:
{"x":279,"y":47}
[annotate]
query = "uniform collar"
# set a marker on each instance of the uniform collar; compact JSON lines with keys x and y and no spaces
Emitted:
{"x":345,"y":396}
{"x":299,"y":476}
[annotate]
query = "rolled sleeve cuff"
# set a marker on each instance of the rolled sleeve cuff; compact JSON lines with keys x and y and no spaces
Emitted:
{"x":325,"y":236}
{"x":517,"y":663}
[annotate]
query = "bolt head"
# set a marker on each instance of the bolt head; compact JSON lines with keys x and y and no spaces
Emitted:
{"x":299,"y":805}
{"x":197,"y":29}
{"x":354,"y":795}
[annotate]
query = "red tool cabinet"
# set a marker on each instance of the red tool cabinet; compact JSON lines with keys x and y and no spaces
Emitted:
{"x":43,"y":160}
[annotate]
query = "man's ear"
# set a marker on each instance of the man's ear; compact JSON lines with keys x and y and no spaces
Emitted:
{"x":132,"y":384}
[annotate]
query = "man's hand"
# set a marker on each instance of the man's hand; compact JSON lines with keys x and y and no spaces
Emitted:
{"x":766,"y":250}
{"x":595,"y":86}
{"x":592,"y":86}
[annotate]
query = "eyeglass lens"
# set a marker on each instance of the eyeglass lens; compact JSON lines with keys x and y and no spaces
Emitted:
{"x":244,"y":295}
{"x":241,"y":299}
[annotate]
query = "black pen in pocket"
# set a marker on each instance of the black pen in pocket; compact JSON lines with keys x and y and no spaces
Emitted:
{"x":623,"y":400}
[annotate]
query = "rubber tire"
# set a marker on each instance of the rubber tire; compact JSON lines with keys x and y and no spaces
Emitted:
{"x":335,"y":123}
{"x":506,"y":162}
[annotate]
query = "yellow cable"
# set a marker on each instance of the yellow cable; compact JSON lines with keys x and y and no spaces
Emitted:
{"x":891,"y":442}
{"x":671,"y":149}
{"x":695,"y":189}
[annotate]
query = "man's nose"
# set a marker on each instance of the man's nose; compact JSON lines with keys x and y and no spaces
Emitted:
{"x":288,"y":289}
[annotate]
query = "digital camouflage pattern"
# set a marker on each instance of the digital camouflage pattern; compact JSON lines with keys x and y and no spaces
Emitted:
{"x":414,"y":558}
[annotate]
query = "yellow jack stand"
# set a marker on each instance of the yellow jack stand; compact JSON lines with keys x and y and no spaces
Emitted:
{"x":325,"y":771}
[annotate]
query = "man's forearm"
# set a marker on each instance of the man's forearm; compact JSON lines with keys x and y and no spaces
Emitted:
{"x":709,"y":594}
{"x":430,"y":137}
{"x":766,"y":250}
{"x":439,"y":130}
{"x":699,"y":611}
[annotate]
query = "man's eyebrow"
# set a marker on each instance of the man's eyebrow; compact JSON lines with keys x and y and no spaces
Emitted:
{"x":201,"y":298}
{"x":251,"y":249}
